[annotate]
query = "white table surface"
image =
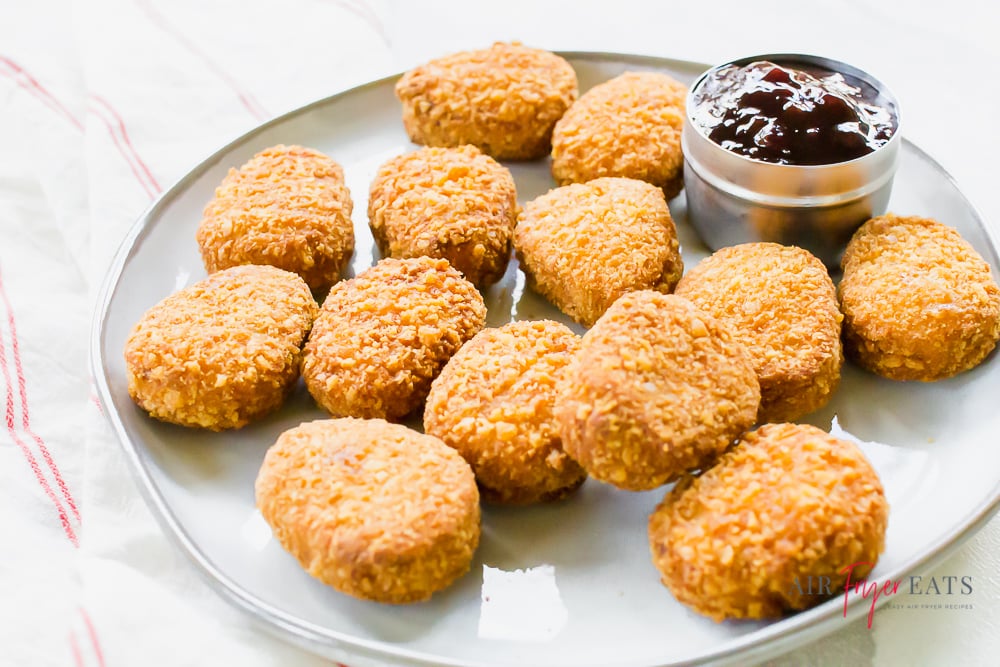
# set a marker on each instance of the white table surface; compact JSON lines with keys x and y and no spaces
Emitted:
{"x":938,"y":57}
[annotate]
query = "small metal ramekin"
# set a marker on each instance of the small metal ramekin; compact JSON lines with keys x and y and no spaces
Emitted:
{"x":735,"y":199}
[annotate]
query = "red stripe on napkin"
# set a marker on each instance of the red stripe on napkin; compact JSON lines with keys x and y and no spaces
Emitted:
{"x":74,"y":649}
{"x":25,"y":416}
{"x":93,"y":636}
{"x":23,"y":79}
{"x":116,"y":127}
{"x":28,"y":455}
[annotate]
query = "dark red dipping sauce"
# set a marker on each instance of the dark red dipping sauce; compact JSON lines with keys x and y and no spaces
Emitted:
{"x":792,"y":114}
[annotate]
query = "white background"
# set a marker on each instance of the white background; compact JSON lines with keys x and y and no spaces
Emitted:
{"x":172,"y":71}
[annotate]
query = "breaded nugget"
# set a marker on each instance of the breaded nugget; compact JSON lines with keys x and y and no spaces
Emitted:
{"x":504,"y":100}
{"x":382,"y":337}
{"x":493,"y":403}
{"x":374,"y":509}
{"x":657,"y":388}
{"x":789,"y":505}
{"x":287,"y":207}
{"x":454,"y":203}
{"x":582,"y":246}
{"x":919,"y":302}
{"x":780,"y":303}
{"x":222,"y":352}
{"x":629,"y":126}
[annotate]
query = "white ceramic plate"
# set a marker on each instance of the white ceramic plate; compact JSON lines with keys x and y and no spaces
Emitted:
{"x":601,"y":603}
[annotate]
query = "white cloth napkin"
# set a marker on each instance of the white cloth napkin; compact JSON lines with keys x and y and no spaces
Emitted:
{"x":104,"y":103}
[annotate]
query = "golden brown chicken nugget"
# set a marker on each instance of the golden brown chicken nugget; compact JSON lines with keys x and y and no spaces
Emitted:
{"x":383,"y":336}
{"x":222,"y":352}
{"x":780,"y":303}
{"x":582,"y":246}
{"x":374,"y":509}
{"x":493,"y":403}
{"x":657,"y":388}
{"x":504,"y":100}
{"x":454,"y":203}
{"x":919,"y":302}
{"x":788,"y":505}
{"x":629,"y":126}
{"x":287,"y":207}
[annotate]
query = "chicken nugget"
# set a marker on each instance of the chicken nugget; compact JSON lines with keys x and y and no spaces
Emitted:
{"x":454,"y":203}
{"x":919,"y":302}
{"x":780,"y":303}
{"x":287,"y":207}
{"x":383,"y":336}
{"x":503,"y":100}
{"x":657,"y":388}
{"x":582,"y":246}
{"x":493,"y":403}
{"x":222,"y":352}
{"x":375,"y":510}
{"x":788,"y":505}
{"x":629,"y":126}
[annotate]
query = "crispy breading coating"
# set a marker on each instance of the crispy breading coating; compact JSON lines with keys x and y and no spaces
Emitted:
{"x":222,"y":352}
{"x":374,"y":509}
{"x":919,"y":302}
{"x":780,"y":303}
{"x":582,"y":246}
{"x":383,"y":336}
{"x":629,"y":126}
{"x":657,"y":388}
{"x":287,"y":207}
{"x":788,"y":505}
{"x":493,"y":403}
{"x":503,"y":100}
{"x":454,"y":203}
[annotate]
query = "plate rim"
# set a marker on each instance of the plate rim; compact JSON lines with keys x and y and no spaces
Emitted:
{"x":769,"y":641}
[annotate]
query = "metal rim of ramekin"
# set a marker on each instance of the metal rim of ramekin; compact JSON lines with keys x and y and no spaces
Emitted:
{"x":750,"y":195}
